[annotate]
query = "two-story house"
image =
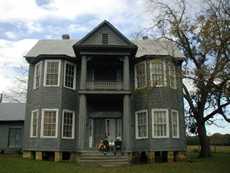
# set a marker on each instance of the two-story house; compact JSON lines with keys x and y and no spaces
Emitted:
{"x":104,"y":86}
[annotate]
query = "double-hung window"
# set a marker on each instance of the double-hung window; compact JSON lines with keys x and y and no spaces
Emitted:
{"x":68,"y":122}
{"x":70,"y":75}
{"x":140,"y":75}
{"x":34,"y":124}
{"x":157,"y":73}
{"x":175,"y":123}
{"x":37,"y":75}
{"x":49,"y":127}
{"x":172,"y":75}
{"x":52,"y":73}
{"x":141,"y":124}
{"x":160,"y":123}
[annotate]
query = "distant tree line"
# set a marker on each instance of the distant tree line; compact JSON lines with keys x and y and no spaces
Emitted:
{"x":215,"y":139}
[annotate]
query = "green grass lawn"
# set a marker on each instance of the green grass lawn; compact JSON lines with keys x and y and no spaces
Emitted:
{"x":219,"y":163}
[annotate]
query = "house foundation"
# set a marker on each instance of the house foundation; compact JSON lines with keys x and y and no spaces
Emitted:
{"x":27,"y":155}
{"x":38,"y":155}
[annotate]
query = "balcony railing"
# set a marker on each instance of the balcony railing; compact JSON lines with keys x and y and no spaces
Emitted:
{"x":104,"y":85}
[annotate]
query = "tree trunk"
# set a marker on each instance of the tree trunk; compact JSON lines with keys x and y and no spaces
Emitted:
{"x":204,"y":141}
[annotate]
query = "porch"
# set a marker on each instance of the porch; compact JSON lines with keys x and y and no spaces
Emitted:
{"x":105,"y":117}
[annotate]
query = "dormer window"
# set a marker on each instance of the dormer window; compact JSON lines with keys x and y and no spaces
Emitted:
{"x":105,"y":38}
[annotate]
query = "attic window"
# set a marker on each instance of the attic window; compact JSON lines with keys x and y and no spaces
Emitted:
{"x":105,"y":38}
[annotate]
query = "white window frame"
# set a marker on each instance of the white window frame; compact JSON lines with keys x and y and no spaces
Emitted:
{"x":163,"y":71}
{"x":73,"y":124}
{"x":35,"y":75}
{"x":42,"y":123}
{"x":178,"y":123}
{"x":31,"y":123}
{"x":167,"y":123}
{"x":136,"y":124}
{"x":135,"y":69}
{"x":74,"y":77}
{"x":59,"y":73}
{"x":172,"y":67}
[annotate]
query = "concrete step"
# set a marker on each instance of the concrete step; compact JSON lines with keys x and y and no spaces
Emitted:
{"x":101,"y":159}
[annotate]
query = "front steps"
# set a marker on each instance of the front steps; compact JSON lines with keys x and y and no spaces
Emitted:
{"x":107,"y":160}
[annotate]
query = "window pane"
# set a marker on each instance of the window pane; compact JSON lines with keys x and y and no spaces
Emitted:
{"x":141,"y":120}
{"x":172,"y":75}
{"x":52,"y":73}
{"x":175,"y":125}
{"x":160,"y":123}
{"x":140,"y":75}
{"x":69,"y":75}
{"x":157,"y":73}
{"x":49,"y":126}
{"x":34,"y":123}
{"x":68,"y":124}
{"x":37,"y":75}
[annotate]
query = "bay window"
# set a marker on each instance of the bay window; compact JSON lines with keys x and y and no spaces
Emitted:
{"x":157,"y":73}
{"x":49,"y":126}
{"x":172,"y":75}
{"x":175,"y":124}
{"x":160,"y":123}
{"x":52,"y":73}
{"x":70,"y":75}
{"x":34,"y":124}
{"x":140,"y":75}
{"x":68,"y":122}
{"x":141,"y":124}
{"x":37,"y":75}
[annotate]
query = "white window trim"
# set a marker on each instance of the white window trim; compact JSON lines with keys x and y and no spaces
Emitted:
{"x":42,"y":123}
{"x":31,"y":123}
{"x":73,"y":124}
{"x":74,"y":78}
{"x":164,"y":74}
{"x":178,"y":124}
{"x":59,"y":73}
{"x":135,"y":71}
{"x":34,"y":77}
{"x":167,"y":123}
{"x":136,"y":124}
{"x":172,"y":65}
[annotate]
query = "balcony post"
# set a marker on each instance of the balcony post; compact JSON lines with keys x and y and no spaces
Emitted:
{"x":126,"y":74}
{"x":83,"y":72}
{"x":82,"y":121}
{"x":126,"y":123}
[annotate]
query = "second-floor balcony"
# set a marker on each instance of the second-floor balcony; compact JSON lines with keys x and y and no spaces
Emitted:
{"x":104,"y":85}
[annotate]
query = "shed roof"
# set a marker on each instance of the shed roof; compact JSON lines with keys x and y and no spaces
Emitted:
{"x":12,"y":111}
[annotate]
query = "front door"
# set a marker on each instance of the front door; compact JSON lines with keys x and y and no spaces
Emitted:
{"x":104,"y":128}
{"x":110,"y":129}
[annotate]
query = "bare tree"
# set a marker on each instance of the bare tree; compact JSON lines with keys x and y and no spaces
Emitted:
{"x":17,"y":93}
{"x":204,"y":40}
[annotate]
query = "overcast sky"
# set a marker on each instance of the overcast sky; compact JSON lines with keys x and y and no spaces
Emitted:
{"x":24,"y":22}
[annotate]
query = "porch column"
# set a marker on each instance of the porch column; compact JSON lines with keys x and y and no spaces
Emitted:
{"x":83,"y":72}
{"x":82,"y":121}
{"x":126,"y":73}
{"x":126,"y":123}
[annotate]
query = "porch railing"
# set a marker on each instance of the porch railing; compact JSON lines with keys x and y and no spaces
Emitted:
{"x":104,"y":85}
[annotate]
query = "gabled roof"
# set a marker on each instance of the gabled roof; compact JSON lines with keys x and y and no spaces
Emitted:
{"x":12,"y":111}
{"x":110,"y":26}
{"x":52,"y":47}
